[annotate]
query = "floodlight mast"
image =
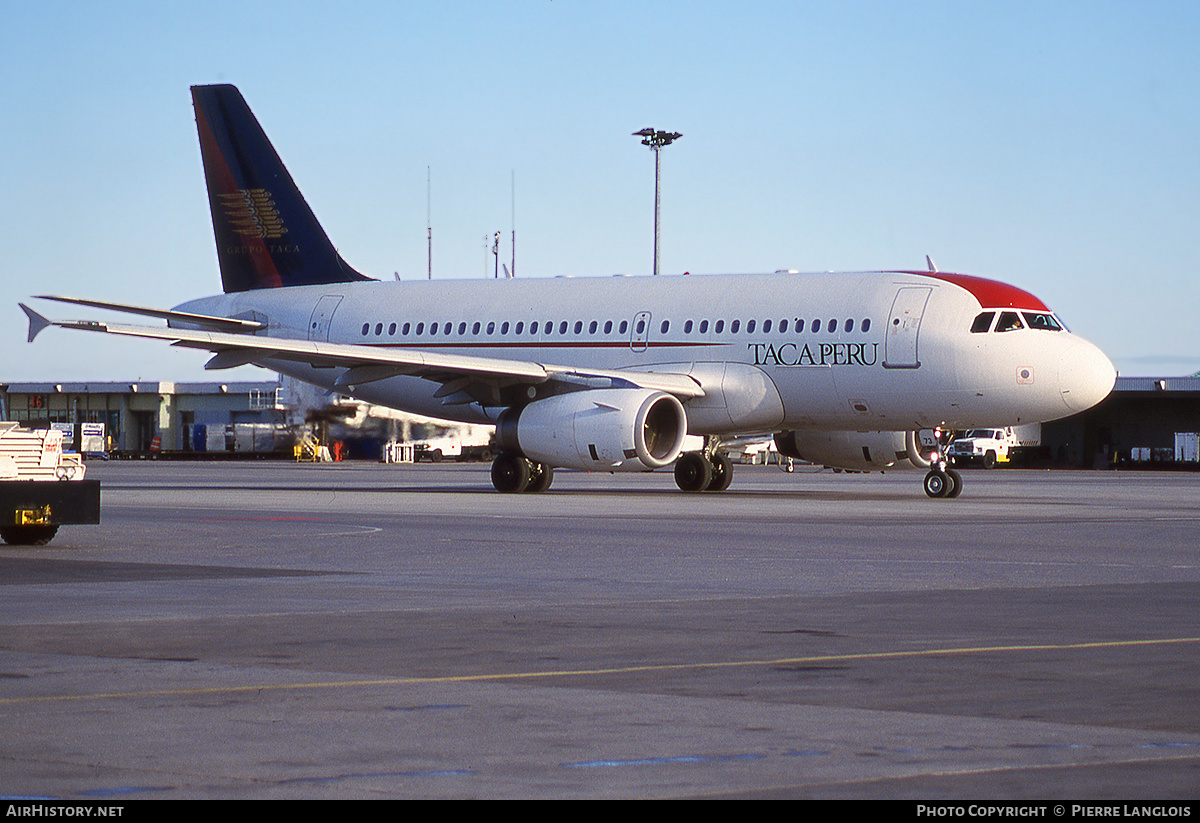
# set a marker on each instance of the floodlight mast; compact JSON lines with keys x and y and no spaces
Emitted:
{"x":656,"y":140}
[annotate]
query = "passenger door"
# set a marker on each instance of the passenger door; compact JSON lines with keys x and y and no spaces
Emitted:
{"x":904,"y":327}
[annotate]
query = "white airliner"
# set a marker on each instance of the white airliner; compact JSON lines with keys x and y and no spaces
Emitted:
{"x":610,"y":374}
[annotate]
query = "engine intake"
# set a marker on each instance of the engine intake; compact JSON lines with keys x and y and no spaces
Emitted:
{"x":597,"y":429}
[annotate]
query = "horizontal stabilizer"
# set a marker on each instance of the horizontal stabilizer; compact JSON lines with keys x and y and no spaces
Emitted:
{"x":233,"y":324}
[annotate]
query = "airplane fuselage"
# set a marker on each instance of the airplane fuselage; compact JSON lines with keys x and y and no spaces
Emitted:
{"x":876,"y":351}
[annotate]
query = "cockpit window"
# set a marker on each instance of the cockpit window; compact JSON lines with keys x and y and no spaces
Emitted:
{"x":1009,"y":321}
{"x":1045,"y":322}
{"x":983,"y":322}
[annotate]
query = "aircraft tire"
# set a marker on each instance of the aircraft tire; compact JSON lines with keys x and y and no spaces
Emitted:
{"x":543,"y":476}
{"x":693,"y":472}
{"x":722,"y":473}
{"x":510,"y":473}
{"x":956,"y":478}
{"x":937,"y":484}
{"x":28,"y":535}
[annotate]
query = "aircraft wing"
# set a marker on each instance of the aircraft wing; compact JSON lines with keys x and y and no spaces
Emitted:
{"x":464,"y":378}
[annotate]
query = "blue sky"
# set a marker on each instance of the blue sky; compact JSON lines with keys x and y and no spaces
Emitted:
{"x":1052,"y":145}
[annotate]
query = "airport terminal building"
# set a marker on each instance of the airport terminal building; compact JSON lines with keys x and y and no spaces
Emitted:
{"x":1141,"y":424}
{"x":135,"y":414}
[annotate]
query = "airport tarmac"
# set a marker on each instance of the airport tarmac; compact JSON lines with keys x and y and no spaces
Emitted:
{"x":355,"y":630}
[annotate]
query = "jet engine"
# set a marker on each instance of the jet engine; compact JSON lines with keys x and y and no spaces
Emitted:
{"x":858,"y":451}
{"x":597,"y":429}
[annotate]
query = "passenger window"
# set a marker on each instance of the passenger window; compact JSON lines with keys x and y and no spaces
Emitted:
{"x":392,"y":330}
{"x":983,"y":322}
{"x":666,"y":325}
{"x":592,"y":327}
{"x":866,"y":324}
{"x":782,"y":326}
{"x":562,"y":327}
{"x":578,"y":326}
{"x":766,"y":326}
{"x":491,"y":327}
{"x":433,"y":329}
{"x":704,"y":327}
{"x":687,"y":327}
{"x":533,"y":327}
{"x":475,"y":328}
{"x":719,"y":326}
{"x":1009,"y":321}
{"x":849,"y":325}
{"x":749,"y":327}
{"x":504,"y":327}
{"x":608,"y":327}
{"x":624,"y":326}
{"x":832,"y":326}
{"x":734,"y":326}
{"x":366,"y":328}
{"x":520,"y":328}
{"x":816,"y":326}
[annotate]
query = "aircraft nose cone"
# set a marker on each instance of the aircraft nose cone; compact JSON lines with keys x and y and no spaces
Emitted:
{"x":1085,"y":375}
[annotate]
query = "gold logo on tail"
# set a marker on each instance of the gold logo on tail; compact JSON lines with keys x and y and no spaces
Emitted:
{"x":252,"y":213}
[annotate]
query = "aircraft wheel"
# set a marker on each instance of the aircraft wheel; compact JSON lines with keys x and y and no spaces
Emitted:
{"x":542,"y":478}
{"x":722,"y":473}
{"x":511,"y":473}
{"x":937,"y":484}
{"x":28,"y":535}
{"x":957,"y":480}
{"x":693,"y":472}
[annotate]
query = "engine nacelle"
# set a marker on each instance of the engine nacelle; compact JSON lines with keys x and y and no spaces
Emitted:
{"x":598,"y":429}
{"x":858,"y":451}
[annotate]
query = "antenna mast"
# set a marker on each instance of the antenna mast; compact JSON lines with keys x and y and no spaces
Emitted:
{"x":513,"y":271}
{"x":429,"y":217}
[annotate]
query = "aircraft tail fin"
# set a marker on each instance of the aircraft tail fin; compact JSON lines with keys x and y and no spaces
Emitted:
{"x":267,"y":236}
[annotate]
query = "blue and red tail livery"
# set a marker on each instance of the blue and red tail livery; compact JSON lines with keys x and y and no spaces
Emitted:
{"x":267,"y":236}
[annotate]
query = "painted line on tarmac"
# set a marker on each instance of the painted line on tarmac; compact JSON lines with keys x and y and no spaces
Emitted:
{"x":548,"y":675}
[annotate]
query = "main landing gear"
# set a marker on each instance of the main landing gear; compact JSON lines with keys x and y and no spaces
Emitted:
{"x":700,"y":472}
{"x":943,"y":482}
{"x":512,"y":474}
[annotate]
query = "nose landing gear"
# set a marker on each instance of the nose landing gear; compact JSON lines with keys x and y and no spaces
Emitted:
{"x":943,"y":481}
